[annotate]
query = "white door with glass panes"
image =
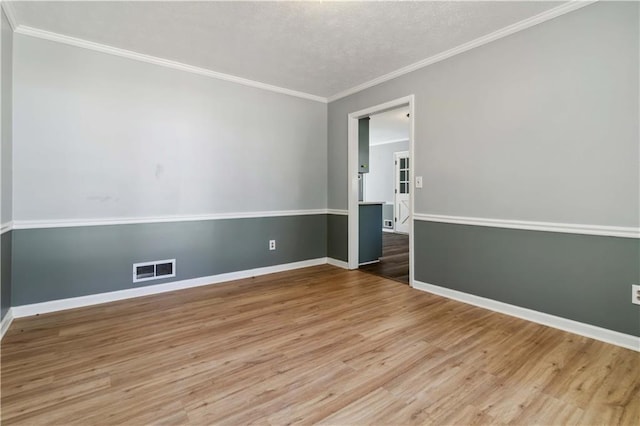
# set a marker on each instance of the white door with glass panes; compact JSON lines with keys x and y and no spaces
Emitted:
{"x":402,"y":212}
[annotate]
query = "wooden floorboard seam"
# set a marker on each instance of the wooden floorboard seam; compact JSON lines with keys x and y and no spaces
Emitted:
{"x":319,"y":345}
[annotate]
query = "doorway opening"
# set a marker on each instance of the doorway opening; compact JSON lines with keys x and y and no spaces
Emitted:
{"x":381,"y":188}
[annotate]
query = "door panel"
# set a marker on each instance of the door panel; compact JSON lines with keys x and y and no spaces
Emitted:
{"x":402,"y":210}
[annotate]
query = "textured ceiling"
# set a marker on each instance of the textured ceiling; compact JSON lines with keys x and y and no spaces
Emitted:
{"x":320,"y":48}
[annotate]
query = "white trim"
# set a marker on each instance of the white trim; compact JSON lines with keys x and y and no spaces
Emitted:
{"x":6,"y":227}
{"x":6,"y":322}
{"x":338,"y":263}
{"x":570,"y":6}
{"x":388,"y":230}
{"x":389,"y":142}
{"x":598,"y":333}
{"x":95,"y":299}
{"x":67,"y":223}
{"x":352,"y":162}
{"x":611,"y":231}
{"x":103,"y":48}
{"x":506,"y":31}
{"x":371,"y":262}
{"x":10,"y":13}
{"x":412,"y":188}
{"x":353,"y":190}
{"x":396,"y":187}
{"x":568,"y":228}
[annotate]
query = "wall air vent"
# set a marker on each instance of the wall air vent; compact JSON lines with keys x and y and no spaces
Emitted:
{"x":155,"y":270}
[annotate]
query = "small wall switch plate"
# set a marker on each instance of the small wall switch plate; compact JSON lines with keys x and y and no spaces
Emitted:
{"x":635,"y":294}
{"x":418,"y":181}
{"x":272,"y":244}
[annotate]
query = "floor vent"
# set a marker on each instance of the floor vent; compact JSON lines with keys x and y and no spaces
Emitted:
{"x":155,"y":270}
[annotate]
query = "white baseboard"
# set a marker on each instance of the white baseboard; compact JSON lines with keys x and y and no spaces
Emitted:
{"x":338,"y":263}
{"x":6,"y":322}
{"x":371,"y":262}
{"x":390,"y":230}
{"x":587,"y":330}
{"x":95,"y":299}
{"x":598,"y":333}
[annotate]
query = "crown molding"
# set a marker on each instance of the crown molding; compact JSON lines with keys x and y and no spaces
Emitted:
{"x":567,"y":228}
{"x":506,"y":31}
{"x":103,"y":48}
{"x":10,"y":13}
{"x":511,"y":29}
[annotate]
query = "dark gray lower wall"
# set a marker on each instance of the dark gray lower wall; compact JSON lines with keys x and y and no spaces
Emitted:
{"x":580,"y":277}
{"x":5,"y":274}
{"x":338,"y":237}
{"x":58,"y":263}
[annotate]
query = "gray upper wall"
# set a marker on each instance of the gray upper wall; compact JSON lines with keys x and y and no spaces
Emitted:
{"x":6,"y":73}
{"x":99,"y":136}
{"x":541,"y":125}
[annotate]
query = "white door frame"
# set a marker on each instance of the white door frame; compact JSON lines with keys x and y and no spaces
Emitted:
{"x":352,"y":160}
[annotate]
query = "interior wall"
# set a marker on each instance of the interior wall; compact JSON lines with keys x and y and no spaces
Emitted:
{"x":585,"y":278}
{"x":60,"y":263}
{"x":6,"y":163}
{"x":541,"y":125}
{"x":380,"y":181}
{"x":99,"y":136}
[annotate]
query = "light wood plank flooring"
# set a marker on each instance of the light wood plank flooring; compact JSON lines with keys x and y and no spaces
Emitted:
{"x":315,"y":345}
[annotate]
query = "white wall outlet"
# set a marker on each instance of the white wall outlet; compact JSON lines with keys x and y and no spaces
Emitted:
{"x":635,"y":294}
{"x":272,"y":244}
{"x":418,"y":181}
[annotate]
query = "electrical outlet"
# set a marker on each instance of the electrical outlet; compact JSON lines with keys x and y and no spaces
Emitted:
{"x":272,"y":244}
{"x":418,"y":181}
{"x":635,"y":294}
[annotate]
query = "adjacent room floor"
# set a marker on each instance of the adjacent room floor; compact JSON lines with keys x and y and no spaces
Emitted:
{"x":394,"y":263}
{"x":315,"y":345}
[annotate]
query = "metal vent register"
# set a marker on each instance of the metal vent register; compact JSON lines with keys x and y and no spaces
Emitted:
{"x":154,"y":270}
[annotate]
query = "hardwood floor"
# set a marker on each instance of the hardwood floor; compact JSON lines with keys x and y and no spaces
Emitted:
{"x":394,"y":263}
{"x":315,"y":345}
